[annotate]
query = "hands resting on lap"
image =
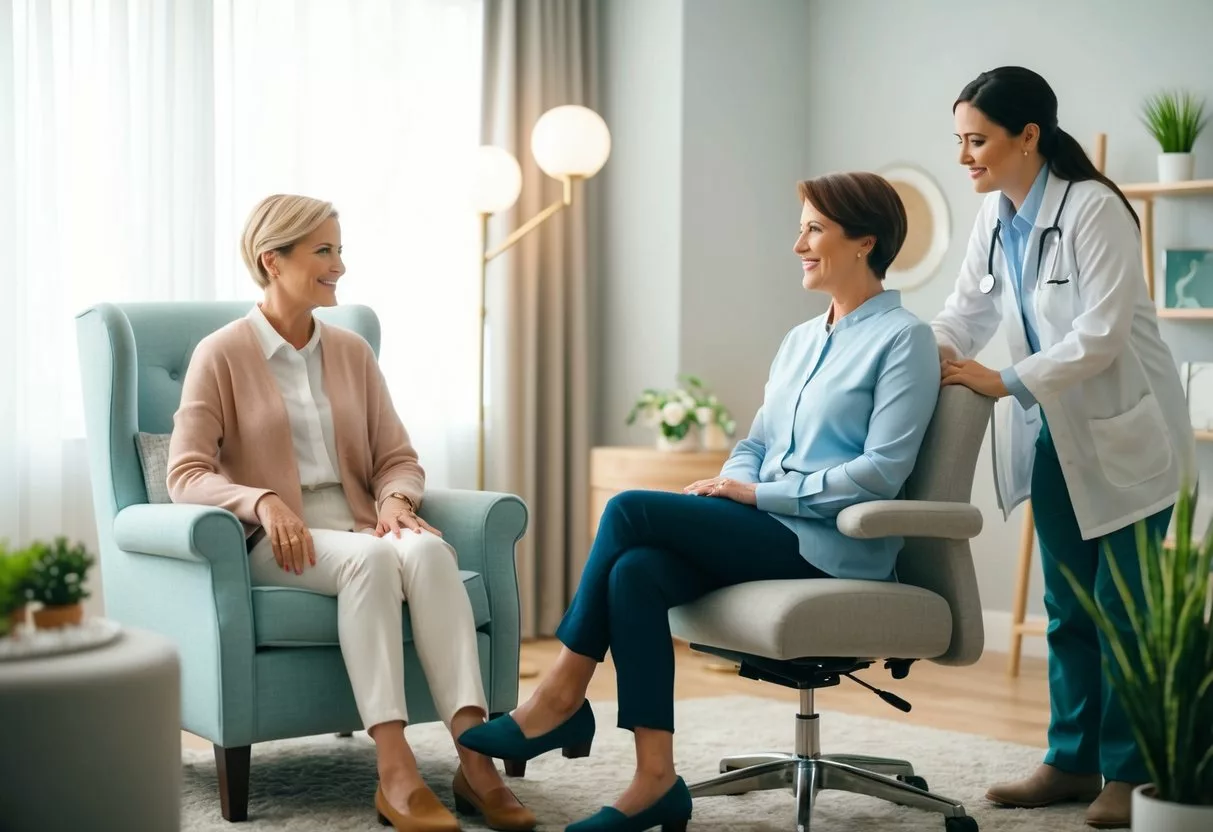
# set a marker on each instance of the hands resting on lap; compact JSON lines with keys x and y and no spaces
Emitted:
{"x":294,"y":549}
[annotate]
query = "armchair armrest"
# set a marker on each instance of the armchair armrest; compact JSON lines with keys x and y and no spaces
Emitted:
{"x":203,"y":534}
{"x":484,"y":527}
{"x":910,"y":518}
{"x":182,"y":571}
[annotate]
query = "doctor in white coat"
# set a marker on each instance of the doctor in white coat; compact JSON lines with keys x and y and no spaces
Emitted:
{"x":1091,"y":422}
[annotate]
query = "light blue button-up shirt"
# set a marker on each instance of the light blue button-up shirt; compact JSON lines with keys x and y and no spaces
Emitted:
{"x":1016,"y":226}
{"x":842,"y":418}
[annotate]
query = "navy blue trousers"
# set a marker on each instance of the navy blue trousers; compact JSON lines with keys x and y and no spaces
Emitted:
{"x":656,"y":550}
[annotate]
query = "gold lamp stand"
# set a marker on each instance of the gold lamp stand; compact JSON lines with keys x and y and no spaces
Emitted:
{"x":569,"y":143}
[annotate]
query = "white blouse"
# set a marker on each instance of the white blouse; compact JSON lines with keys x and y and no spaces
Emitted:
{"x":300,"y":378}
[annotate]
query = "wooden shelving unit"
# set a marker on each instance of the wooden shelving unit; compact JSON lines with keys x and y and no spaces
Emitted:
{"x":1186,"y":314}
{"x":1151,"y":190}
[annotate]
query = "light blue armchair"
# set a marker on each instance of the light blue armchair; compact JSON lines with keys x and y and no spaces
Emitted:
{"x":257,"y":663}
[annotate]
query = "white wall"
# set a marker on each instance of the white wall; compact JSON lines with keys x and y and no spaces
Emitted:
{"x":772,"y":91}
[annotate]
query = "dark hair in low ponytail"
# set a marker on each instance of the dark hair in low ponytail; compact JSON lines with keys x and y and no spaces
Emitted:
{"x":1014,"y":97}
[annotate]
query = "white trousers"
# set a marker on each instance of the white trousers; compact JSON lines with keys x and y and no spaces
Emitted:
{"x":371,"y":577}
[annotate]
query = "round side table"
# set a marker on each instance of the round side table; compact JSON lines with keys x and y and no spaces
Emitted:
{"x":92,"y":739}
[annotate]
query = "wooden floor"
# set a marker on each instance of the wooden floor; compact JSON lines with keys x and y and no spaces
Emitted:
{"x":980,"y":699}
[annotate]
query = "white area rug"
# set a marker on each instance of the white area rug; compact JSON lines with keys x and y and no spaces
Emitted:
{"x":327,"y":784}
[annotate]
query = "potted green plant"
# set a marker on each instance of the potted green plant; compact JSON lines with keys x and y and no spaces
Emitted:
{"x":14,"y":570}
{"x":1163,"y":673}
{"x":676,"y":415}
{"x":1174,"y":119}
{"x":56,"y":579}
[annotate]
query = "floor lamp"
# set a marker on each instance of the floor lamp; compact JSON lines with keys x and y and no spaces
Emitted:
{"x":569,"y":143}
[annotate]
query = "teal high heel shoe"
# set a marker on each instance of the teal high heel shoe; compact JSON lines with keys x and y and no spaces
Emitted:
{"x":502,"y":738}
{"x":671,"y":812}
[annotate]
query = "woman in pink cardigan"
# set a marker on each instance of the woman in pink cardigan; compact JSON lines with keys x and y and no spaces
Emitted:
{"x":287,"y":423}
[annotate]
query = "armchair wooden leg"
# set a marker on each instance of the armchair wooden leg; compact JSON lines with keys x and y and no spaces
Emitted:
{"x":233,"y":767}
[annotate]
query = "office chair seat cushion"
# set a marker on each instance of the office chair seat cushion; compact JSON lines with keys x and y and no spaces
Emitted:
{"x":819,"y":617}
{"x":286,"y":617}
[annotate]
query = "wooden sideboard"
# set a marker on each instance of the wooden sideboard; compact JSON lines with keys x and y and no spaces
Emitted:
{"x":622,"y":467}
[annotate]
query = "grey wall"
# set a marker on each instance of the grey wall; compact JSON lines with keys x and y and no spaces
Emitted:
{"x":701,"y":216}
{"x":906,"y":62}
{"x":709,"y":115}
{"x":640,"y":205}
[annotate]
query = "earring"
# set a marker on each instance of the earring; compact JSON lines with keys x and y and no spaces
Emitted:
{"x":1025,"y":153}
{"x":858,"y":254}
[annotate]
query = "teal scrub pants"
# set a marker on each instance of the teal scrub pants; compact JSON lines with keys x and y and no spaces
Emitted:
{"x":1088,"y":730}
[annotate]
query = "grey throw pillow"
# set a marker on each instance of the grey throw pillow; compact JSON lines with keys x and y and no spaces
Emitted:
{"x":153,"y":456}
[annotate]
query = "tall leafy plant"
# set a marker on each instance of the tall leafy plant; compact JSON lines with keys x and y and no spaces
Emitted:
{"x":1174,"y":119}
{"x":1162,"y":671}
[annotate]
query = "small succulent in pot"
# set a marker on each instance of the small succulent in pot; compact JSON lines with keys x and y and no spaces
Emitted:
{"x":56,"y":579}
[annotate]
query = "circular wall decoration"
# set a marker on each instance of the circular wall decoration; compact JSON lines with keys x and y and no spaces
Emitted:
{"x":928,"y":227}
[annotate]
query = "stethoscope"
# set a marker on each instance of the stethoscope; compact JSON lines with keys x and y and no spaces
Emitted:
{"x":986,"y":285}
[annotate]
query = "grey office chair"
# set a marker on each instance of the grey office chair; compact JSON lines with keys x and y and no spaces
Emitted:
{"x":809,"y":634}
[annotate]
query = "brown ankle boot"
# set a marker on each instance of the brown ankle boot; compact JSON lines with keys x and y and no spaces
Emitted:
{"x":1113,"y":808}
{"x":1046,"y":786}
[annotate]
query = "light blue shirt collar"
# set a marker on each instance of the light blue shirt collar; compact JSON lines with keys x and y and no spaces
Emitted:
{"x":886,"y":300}
{"x":1023,"y":220}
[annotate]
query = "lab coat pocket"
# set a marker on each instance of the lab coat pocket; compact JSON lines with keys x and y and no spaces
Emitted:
{"x":1134,"y":446}
{"x":1057,"y":304}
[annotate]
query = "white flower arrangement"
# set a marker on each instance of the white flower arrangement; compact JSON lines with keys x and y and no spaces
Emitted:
{"x":675,"y":412}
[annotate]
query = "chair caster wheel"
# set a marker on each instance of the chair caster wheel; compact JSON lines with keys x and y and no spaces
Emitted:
{"x":964,"y":823}
{"x":915,"y":781}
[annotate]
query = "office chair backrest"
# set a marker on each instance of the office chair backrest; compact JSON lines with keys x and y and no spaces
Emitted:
{"x":944,"y":471}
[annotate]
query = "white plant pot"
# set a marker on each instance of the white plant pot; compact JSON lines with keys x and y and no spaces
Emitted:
{"x":1175,"y":167}
{"x":689,"y":442}
{"x":1153,"y":815}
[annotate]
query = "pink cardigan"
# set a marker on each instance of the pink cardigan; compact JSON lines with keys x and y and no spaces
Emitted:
{"x":231,"y":441}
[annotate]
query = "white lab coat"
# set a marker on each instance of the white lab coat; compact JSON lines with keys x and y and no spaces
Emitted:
{"x":1107,"y":383}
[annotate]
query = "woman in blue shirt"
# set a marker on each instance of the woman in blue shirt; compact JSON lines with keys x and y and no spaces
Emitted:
{"x":844,"y":411}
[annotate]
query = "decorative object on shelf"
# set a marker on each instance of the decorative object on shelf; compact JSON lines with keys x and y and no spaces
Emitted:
{"x":1174,"y":119}
{"x":569,"y":143}
{"x":14,"y":571}
{"x":928,"y":227}
{"x":1197,"y":378}
{"x":1162,"y":673}
{"x":56,"y":580}
{"x":1188,"y":278}
{"x":679,"y":413}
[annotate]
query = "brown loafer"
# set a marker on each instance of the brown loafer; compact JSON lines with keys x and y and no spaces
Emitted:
{"x":1046,"y":786}
{"x":1113,"y":809}
{"x":498,"y":807}
{"x":425,"y":813}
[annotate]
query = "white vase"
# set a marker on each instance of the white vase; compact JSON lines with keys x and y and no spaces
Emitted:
{"x":1175,"y":167}
{"x":714,"y":438}
{"x":1153,"y":815}
{"x":688,"y":442}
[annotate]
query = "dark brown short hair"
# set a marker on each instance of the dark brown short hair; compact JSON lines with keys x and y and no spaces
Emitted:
{"x":863,"y":204}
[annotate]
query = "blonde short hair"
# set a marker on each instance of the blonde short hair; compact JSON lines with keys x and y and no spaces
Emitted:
{"x":276,"y":224}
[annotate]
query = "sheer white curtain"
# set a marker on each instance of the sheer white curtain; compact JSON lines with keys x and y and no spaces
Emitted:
{"x":135,"y":135}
